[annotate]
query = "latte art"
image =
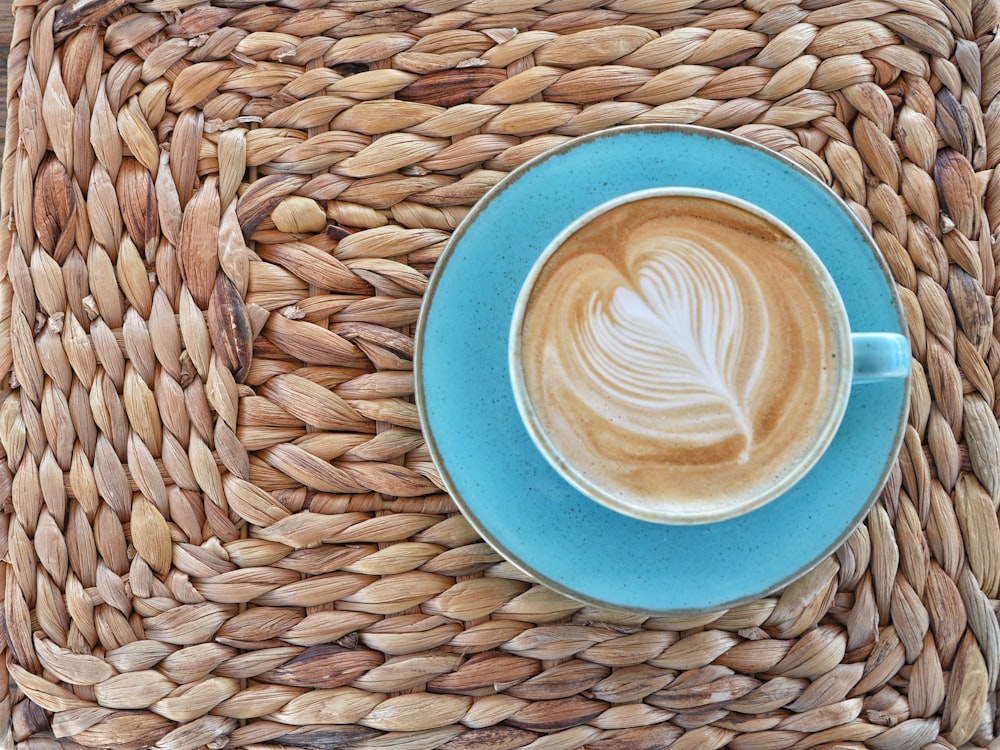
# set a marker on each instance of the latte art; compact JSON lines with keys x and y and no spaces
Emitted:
{"x":673,"y":341}
{"x":677,"y":349}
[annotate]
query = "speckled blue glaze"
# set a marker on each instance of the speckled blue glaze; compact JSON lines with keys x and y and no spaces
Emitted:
{"x":508,"y":491}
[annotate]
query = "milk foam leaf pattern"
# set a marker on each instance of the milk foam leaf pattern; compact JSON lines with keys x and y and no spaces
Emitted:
{"x":672,"y":339}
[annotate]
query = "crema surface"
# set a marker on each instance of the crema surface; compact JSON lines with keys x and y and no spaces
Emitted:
{"x":677,"y":349}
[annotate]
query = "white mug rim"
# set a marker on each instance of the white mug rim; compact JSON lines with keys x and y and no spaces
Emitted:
{"x":647,"y":511}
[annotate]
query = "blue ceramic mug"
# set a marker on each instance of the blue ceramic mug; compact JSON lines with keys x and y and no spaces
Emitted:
{"x":682,"y":356}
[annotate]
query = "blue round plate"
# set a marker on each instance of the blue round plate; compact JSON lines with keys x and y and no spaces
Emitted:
{"x":503,"y":484}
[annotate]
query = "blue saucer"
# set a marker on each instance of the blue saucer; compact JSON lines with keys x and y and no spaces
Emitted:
{"x":505,"y":487}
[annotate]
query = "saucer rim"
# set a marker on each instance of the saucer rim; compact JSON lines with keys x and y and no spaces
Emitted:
{"x":450,"y":485}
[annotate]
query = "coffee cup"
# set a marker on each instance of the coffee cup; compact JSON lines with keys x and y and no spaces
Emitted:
{"x":682,"y":356}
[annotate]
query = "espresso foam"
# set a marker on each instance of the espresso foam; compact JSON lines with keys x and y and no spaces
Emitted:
{"x":678,"y":349}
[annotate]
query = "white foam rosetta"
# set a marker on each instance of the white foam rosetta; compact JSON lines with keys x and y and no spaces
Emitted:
{"x":668,"y":336}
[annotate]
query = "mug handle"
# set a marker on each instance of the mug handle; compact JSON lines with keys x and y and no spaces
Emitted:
{"x":880,"y":356}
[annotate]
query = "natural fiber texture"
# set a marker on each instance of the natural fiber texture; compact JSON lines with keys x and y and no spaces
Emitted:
{"x":225,"y":529}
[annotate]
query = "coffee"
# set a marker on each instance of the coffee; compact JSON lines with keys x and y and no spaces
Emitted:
{"x":680,"y":351}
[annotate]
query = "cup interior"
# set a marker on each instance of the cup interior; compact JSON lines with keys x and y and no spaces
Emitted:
{"x":532,"y":402}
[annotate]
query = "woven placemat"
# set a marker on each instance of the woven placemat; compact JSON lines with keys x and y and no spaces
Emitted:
{"x":224,"y":527}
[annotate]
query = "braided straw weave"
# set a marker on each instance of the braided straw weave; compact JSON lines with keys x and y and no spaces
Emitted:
{"x":224,"y":527}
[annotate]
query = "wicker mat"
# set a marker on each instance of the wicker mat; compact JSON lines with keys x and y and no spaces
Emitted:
{"x":224,"y":527}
